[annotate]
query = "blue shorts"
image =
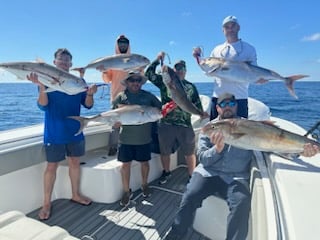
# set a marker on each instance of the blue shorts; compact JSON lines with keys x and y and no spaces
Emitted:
{"x":58,"y":152}
{"x":140,"y":153}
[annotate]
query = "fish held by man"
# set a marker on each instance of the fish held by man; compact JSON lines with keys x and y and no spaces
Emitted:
{"x":237,"y":71}
{"x":258,"y":135}
{"x":177,"y":92}
{"x":124,"y":62}
{"x":126,"y":115}
{"x":54,"y":78}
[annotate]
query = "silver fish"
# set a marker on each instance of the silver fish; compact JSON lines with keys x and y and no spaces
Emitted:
{"x":126,"y":114}
{"x":236,"y":71}
{"x":258,"y":135}
{"x":50,"y":76}
{"x":177,"y":92}
{"x":124,"y":62}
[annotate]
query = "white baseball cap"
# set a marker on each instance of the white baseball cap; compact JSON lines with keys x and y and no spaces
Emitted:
{"x":230,"y":19}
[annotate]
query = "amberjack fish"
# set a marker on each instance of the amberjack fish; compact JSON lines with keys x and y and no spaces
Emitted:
{"x":126,"y":114}
{"x":236,"y":71}
{"x":50,"y":76}
{"x":258,"y":135}
{"x":124,"y":62}
{"x":177,"y":92}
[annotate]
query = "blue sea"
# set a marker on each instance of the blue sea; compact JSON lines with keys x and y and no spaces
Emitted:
{"x":18,"y":106}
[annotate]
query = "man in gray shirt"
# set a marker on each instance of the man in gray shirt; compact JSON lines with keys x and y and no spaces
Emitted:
{"x":223,"y":171}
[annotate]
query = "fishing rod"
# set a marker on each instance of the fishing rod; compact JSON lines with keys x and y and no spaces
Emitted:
{"x":315,"y":127}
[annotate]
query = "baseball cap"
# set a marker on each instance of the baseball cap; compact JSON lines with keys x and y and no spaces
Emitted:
{"x":180,"y":63}
{"x":230,"y":19}
{"x":225,"y":96}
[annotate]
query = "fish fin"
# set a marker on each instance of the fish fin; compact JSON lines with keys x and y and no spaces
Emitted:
{"x":39,"y":60}
{"x":238,"y":135}
{"x":83,"y":123}
{"x":289,"y":81}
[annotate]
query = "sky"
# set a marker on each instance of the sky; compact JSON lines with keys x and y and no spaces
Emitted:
{"x":286,"y":34}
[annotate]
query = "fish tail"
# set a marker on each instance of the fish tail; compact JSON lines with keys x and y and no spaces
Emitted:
{"x":197,"y":53}
{"x":83,"y":123}
{"x":289,"y":81}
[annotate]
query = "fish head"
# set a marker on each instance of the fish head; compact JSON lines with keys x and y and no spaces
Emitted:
{"x":211,"y":64}
{"x":134,"y":62}
{"x":225,"y":126}
{"x":72,"y":85}
{"x":169,"y":76}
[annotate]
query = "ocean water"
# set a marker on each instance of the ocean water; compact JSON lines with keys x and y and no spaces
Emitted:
{"x":18,"y":106}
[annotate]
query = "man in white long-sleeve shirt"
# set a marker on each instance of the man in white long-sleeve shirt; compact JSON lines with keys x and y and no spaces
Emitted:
{"x":236,"y":50}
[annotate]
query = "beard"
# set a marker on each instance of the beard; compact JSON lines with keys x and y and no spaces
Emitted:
{"x":123,"y":49}
{"x":228,"y":113}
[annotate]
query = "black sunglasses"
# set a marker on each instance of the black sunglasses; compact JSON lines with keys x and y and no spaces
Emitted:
{"x":132,"y":80}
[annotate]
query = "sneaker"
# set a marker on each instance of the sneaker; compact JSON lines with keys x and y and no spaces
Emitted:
{"x":164,"y":177}
{"x":145,"y":191}
{"x":125,"y":200}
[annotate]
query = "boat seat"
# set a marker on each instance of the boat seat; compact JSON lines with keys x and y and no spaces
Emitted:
{"x":101,"y":176}
{"x":14,"y":225}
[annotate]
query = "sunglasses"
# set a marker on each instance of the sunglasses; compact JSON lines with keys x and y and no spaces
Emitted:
{"x":180,"y":68}
{"x":132,"y":80}
{"x":224,"y":104}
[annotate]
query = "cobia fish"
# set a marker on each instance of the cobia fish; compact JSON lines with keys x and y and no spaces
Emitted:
{"x":177,"y":92}
{"x":124,"y":62}
{"x":50,"y":76}
{"x":126,"y":114}
{"x":236,"y":71}
{"x":258,"y":135}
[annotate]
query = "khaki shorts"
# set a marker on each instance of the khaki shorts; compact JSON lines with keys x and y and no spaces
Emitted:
{"x":169,"y":135}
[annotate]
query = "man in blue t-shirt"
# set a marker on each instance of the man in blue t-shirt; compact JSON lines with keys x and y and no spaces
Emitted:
{"x":60,"y":141}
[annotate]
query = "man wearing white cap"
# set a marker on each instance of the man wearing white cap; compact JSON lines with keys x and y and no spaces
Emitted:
{"x":237,"y":50}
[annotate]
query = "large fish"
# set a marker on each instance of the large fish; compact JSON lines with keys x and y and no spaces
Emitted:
{"x":236,"y":71}
{"x":258,"y":135}
{"x":50,"y":76}
{"x":177,"y":92}
{"x":126,"y":114}
{"x":124,"y":62}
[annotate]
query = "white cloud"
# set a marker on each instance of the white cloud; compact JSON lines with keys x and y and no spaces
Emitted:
{"x":172,"y":43}
{"x":186,"y":14}
{"x":311,"y":38}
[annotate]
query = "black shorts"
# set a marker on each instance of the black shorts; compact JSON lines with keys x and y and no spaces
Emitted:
{"x":58,"y":152}
{"x":140,"y":153}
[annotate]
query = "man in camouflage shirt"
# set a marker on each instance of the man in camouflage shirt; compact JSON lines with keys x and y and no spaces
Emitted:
{"x":176,"y":126}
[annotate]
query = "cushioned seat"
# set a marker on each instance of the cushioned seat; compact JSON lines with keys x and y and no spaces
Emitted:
{"x":14,"y":225}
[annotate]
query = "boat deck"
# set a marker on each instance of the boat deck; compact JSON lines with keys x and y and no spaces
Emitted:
{"x":144,"y":218}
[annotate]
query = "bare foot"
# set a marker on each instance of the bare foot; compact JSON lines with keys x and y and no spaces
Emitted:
{"x":44,"y":213}
{"x":81,"y":200}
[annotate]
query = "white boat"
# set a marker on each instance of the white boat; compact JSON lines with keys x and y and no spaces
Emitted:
{"x":285,"y":193}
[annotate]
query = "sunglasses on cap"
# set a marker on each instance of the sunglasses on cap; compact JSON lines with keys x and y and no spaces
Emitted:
{"x":132,"y":80}
{"x":224,"y":104}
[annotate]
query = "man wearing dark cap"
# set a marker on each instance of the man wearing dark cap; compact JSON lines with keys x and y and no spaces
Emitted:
{"x":114,"y":76}
{"x":237,"y":50}
{"x":176,"y":126}
{"x":224,"y":171}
